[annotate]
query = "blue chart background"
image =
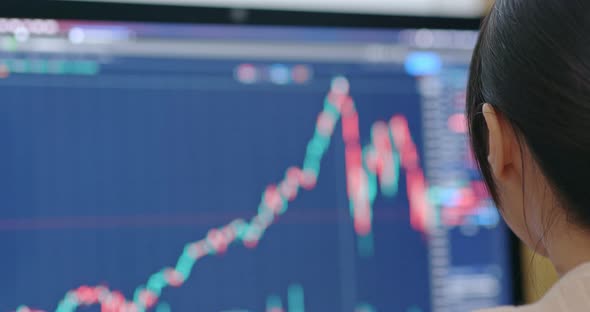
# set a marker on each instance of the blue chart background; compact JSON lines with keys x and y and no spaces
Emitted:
{"x":106,"y":178}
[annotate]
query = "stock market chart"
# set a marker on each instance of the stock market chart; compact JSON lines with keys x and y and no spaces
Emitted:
{"x":146,"y":180}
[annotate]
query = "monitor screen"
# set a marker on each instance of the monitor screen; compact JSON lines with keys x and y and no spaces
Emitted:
{"x":175,"y":167}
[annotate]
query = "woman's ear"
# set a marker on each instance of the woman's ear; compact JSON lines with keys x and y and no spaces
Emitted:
{"x":500,"y":145}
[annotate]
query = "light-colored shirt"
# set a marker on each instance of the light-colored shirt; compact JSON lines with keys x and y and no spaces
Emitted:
{"x":570,"y":294}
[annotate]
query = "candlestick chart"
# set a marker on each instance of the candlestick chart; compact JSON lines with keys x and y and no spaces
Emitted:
{"x":354,"y":185}
{"x":389,"y":160}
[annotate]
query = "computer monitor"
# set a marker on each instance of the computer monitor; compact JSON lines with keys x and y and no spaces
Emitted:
{"x":185,"y":167}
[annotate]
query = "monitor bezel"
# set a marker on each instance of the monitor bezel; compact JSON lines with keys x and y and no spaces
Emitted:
{"x":115,"y":11}
{"x":135,"y":12}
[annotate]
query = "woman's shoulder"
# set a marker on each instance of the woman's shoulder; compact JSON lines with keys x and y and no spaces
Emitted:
{"x":527,"y":308}
{"x":570,"y":294}
{"x":505,"y":309}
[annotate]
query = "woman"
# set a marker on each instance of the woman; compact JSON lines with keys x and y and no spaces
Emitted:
{"x":529,"y":116}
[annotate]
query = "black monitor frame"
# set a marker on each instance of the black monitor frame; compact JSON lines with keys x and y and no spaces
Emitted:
{"x":111,"y":11}
{"x":126,"y":12}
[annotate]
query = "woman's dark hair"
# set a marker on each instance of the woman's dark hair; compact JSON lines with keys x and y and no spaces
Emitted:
{"x":532,"y":63}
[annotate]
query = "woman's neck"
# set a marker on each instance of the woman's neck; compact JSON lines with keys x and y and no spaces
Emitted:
{"x":567,"y":246}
